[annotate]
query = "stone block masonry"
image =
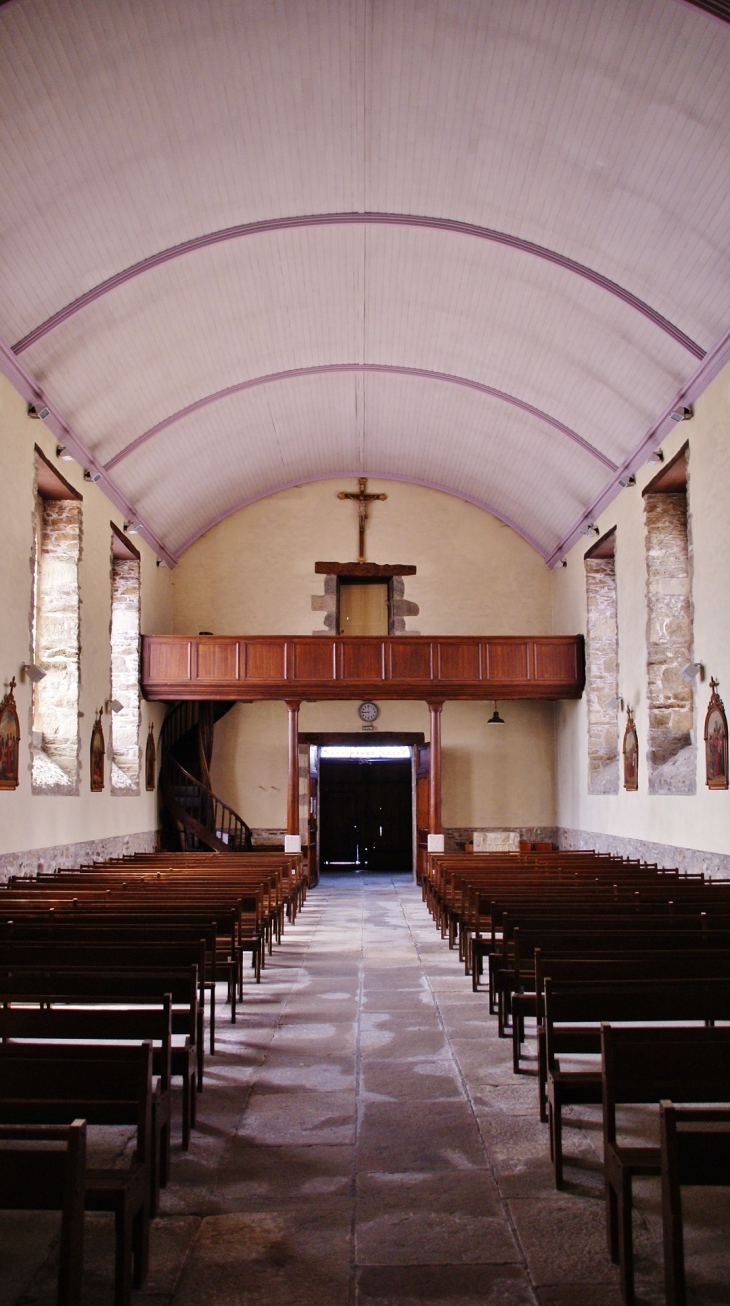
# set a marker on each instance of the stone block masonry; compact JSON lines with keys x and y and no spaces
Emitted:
{"x":56,"y":648}
{"x":671,"y":752}
{"x":70,"y":855}
{"x":602,"y":675}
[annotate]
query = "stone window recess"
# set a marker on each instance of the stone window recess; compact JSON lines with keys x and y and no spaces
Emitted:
{"x":400,"y":607}
{"x":672,"y":749}
{"x":602,"y":666}
{"x":55,"y":645}
{"x":125,"y":638}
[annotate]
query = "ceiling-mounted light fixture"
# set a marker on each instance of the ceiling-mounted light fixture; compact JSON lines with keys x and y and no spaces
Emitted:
{"x":587,"y":529}
{"x":63,"y":453}
{"x":626,"y":481}
{"x":33,"y":672}
{"x":692,"y":670}
{"x":657,"y":456}
{"x":495,"y":719}
{"x":39,"y":411}
{"x":682,"y":414}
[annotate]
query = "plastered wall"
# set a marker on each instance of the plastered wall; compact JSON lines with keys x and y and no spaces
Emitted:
{"x":700,"y":821}
{"x":30,"y":821}
{"x":255,"y":573}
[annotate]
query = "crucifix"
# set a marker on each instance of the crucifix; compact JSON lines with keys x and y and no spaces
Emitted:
{"x":362,"y":499}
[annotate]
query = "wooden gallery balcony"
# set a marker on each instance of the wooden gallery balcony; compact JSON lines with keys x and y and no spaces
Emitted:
{"x":316,"y":667}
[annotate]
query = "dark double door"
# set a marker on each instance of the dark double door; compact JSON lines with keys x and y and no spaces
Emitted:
{"x":366,"y":821}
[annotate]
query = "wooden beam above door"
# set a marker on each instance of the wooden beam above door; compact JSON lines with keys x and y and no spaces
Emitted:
{"x":319,"y":668}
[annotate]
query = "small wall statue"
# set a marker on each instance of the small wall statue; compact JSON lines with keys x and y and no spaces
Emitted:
{"x":631,"y":753}
{"x":96,"y":754}
{"x":150,"y":761}
{"x":716,"y":750}
{"x":9,"y":740}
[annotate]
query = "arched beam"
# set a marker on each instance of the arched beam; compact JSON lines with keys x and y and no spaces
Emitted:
{"x":449,"y":225}
{"x":324,"y":369}
{"x":376,"y":475}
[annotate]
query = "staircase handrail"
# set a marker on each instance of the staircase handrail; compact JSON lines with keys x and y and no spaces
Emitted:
{"x":222,"y":819}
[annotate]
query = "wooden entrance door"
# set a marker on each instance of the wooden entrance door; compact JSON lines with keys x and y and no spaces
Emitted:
{"x":365,"y":815}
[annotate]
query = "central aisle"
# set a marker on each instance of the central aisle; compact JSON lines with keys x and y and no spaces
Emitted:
{"x":341,"y":1155}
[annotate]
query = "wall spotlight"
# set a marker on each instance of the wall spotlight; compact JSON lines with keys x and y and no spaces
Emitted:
{"x":161,"y":562}
{"x":625,"y":481}
{"x":63,"y":453}
{"x":33,"y":672}
{"x":589,"y":530}
{"x":132,"y":527}
{"x":39,"y":411}
{"x":692,"y":670}
{"x":113,"y":705}
{"x":615,"y":704}
{"x":495,"y":719}
{"x":682,"y":414}
{"x":92,"y":476}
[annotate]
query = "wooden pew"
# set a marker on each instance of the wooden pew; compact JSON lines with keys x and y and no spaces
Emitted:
{"x":107,"y":1085}
{"x":109,"y":1024}
{"x":574,"y":1012}
{"x":43,"y":1168}
{"x":693,"y":1152}
{"x":611,"y":966}
{"x":647,"y":1066}
{"x":73,"y":987}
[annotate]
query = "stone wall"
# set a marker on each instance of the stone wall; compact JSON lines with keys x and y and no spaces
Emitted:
{"x":715,"y":865}
{"x":602,"y":675}
{"x":671,"y":750}
{"x":56,"y":648}
{"x":64,"y":856}
{"x":125,"y":644}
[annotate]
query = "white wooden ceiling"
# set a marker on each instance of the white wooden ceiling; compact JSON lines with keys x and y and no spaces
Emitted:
{"x":382,"y":172}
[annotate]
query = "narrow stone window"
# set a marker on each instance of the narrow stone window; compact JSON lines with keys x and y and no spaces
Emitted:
{"x":602,"y":666}
{"x":55,"y":632}
{"x":125,"y":627}
{"x":671,"y":751}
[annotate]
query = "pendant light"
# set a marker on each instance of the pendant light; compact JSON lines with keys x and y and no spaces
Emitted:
{"x":495,"y":719}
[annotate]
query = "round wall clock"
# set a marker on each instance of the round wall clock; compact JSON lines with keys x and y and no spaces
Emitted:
{"x":368,"y":712}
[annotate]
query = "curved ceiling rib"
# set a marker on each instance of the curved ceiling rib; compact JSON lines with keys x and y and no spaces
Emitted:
{"x":452,"y":226}
{"x":375,"y":475}
{"x":393,"y":370}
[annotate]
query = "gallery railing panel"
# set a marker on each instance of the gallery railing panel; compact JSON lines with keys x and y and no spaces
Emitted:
{"x":315,"y":667}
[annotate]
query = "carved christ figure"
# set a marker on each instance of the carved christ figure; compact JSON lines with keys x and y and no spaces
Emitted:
{"x":362,"y":499}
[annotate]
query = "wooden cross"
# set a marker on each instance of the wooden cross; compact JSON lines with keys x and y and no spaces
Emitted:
{"x":362,"y":499}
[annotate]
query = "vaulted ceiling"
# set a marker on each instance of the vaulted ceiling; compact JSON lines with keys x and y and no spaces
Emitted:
{"x":482,"y":245}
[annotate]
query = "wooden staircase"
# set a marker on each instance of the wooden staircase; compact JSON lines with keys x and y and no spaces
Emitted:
{"x":193,"y":816}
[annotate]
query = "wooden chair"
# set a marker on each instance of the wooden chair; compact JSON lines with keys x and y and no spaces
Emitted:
{"x":646,"y":1066}
{"x":694,"y":1151}
{"x":43,"y":1168}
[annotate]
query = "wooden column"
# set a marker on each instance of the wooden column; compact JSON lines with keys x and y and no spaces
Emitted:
{"x":434,"y":773}
{"x":292,"y":793}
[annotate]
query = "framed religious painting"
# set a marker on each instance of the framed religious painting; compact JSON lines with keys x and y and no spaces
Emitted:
{"x":716,"y":750}
{"x":97,"y":755}
{"x":150,"y":761}
{"x":631,"y":753}
{"x":9,"y":740}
